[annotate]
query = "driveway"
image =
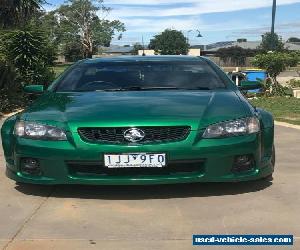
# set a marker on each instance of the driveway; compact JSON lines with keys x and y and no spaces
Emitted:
{"x":152,"y":217}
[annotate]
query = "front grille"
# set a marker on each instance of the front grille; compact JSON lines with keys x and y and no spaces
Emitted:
{"x":152,"y":134}
{"x":78,"y":168}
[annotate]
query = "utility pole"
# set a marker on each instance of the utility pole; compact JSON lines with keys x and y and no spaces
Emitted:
{"x":273,"y":24}
{"x":143,"y":46}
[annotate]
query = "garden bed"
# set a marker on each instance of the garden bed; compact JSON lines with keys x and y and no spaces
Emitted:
{"x":12,"y":100}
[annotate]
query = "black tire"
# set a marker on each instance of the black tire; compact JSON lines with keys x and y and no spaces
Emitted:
{"x":273,"y":161}
{"x":24,"y":184}
{"x":268,"y":178}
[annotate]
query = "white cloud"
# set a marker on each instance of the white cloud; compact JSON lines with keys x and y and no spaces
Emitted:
{"x":153,"y":16}
{"x":159,"y":2}
{"x":193,"y":7}
{"x":154,"y":25}
{"x":156,"y":15}
{"x":163,"y":8}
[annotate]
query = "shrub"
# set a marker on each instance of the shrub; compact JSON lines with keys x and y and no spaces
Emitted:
{"x":293,"y":83}
{"x":7,"y":75}
{"x":236,"y":54}
{"x":12,"y":99}
{"x":275,"y":63}
{"x":25,"y":58}
{"x":29,"y":52}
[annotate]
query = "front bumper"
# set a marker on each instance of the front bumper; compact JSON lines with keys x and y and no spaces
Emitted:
{"x":214,"y":156}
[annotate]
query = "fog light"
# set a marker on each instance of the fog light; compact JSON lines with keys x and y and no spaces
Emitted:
{"x":243,"y":163}
{"x":243,"y":159}
{"x":30,"y":166}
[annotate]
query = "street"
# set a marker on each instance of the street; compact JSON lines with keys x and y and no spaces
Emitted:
{"x":152,"y":217}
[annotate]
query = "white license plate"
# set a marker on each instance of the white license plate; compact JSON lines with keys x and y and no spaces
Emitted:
{"x":135,"y":160}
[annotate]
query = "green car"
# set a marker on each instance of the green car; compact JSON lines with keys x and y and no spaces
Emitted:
{"x":139,"y":120}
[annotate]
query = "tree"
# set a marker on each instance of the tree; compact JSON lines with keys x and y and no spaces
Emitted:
{"x":72,"y":51}
{"x":170,"y":42}
{"x":293,"y":40}
{"x":275,"y":63}
{"x":31,"y":55}
{"x":24,"y":48}
{"x":79,"y":19}
{"x":18,"y":12}
{"x":236,"y":54}
{"x":26,"y":53}
{"x":136,"y":48}
{"x":271,"y":43}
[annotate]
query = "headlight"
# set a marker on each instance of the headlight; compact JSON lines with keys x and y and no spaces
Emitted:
{"x":34,"y":130}
{"x":233,"y":128}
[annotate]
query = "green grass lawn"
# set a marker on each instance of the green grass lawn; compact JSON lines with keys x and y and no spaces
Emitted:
{"x":59,"y":68}
{"x":285,"y":109}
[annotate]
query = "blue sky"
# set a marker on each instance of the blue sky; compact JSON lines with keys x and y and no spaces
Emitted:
{"x":218,"y":20}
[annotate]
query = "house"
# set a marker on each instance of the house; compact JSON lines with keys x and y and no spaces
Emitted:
{"x":114,"y":50}
{"x":243,"y":43}
{"x":151,"y":52}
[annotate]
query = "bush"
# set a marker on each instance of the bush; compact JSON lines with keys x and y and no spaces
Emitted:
{"x":293,"y":83}
{"x":31,"y":55}
{"x":236,"y":54}
{"x":12,"y":99}
{"x":275,"y":63}
{"x":11,"y":93}
{"x":7,"y":75}
{"x":25,"y":58}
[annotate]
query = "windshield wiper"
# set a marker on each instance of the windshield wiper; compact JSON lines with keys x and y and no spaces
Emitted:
{"x":137,"y":88}
{"x":158,"y":88}
{"x":199,"y":88}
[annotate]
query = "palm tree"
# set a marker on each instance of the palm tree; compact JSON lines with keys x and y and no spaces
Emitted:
{"x":17,"y":12}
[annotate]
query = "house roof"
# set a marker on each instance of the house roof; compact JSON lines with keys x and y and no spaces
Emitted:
{"x":292,"y":46}
{"x":117,"y":49}
{"x":144,"y":59}
{"x":247,"y":45}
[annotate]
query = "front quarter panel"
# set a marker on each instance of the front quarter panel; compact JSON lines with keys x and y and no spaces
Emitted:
{"x":267,"y":126}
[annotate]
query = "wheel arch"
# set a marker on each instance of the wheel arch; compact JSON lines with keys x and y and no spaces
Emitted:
{"x":267,"y":132}
{"x":7,"y":137}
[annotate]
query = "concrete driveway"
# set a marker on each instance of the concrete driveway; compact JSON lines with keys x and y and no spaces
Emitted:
{"x":152,"y":217}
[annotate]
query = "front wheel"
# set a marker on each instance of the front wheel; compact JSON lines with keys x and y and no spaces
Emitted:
{"x":273,"y":160}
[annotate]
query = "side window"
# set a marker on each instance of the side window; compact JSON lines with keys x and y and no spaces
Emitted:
{"x":71,"y":80}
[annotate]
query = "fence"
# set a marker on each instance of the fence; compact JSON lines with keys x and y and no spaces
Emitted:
{"x":230,"y":63}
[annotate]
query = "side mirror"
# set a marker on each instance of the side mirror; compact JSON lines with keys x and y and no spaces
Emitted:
{"x":249,"y":85}
{"x":34,"y":89}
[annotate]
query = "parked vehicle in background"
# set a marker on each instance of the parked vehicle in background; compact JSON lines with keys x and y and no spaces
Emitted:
{"x":249,"y":77}
{"x":254,"y":76}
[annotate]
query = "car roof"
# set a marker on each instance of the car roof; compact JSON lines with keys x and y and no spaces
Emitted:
{"x":143,"y":59}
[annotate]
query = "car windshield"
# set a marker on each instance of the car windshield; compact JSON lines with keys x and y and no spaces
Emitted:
{"x":134,"y":76}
